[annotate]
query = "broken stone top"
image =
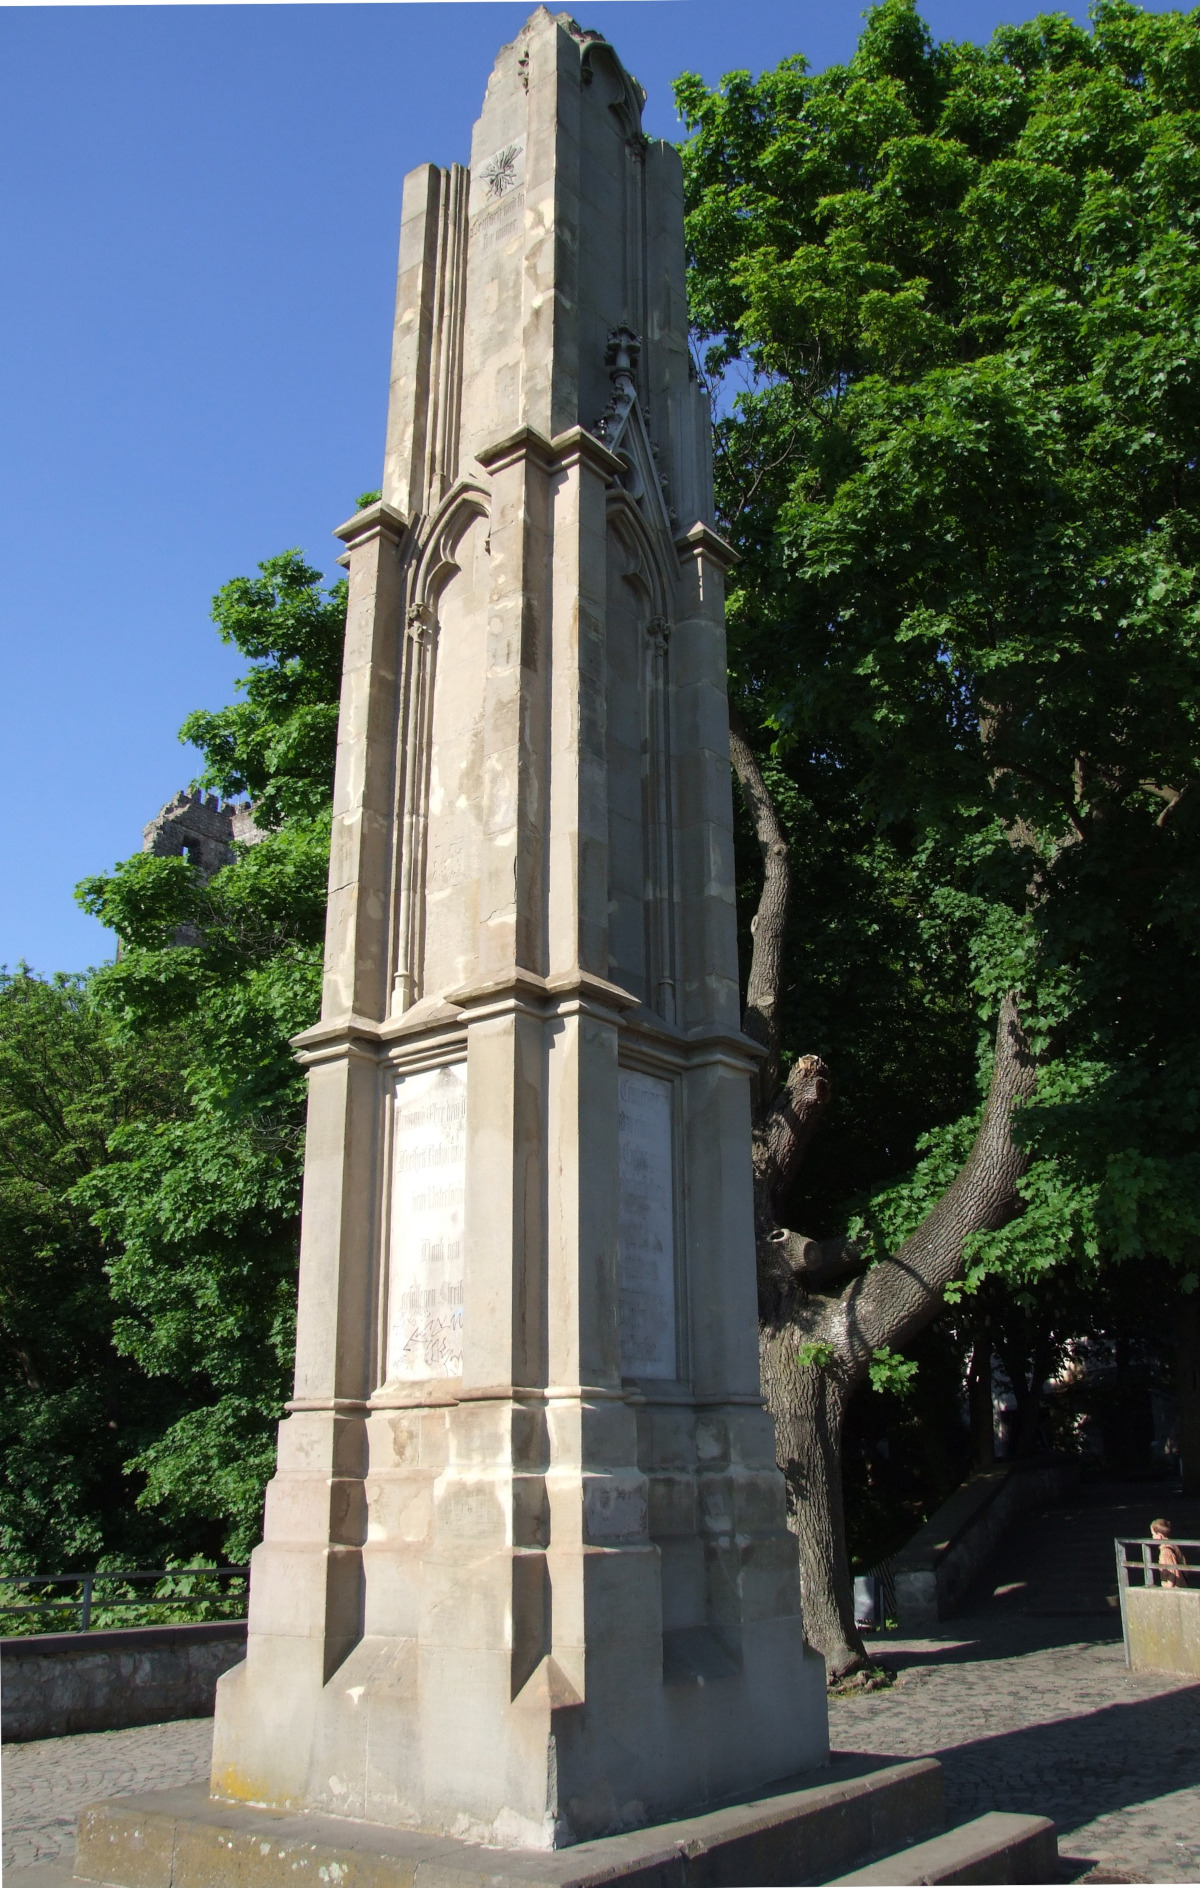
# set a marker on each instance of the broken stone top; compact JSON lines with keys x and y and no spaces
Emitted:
{"x":592,"y":45}
{"x":572,"y":311}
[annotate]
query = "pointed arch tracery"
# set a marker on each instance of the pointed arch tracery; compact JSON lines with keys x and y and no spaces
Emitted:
{"x":437,"y":563}
{"x":643,"y":572}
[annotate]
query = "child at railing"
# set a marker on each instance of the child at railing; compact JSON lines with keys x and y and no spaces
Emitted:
{"x":1170,"y":1561}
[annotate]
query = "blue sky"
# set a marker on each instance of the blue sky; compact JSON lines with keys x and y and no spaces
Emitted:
{"x":199,"y":234}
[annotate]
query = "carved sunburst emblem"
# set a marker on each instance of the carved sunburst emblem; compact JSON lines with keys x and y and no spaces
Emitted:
{"x":500,"y":172}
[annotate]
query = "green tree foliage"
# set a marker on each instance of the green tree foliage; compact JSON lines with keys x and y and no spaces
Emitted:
{"x":959,"y":289}
{"x":73,"y":1408}
{"x":277,"y":744}
{"x":199,"y":1209}
{"x":875,"y":976}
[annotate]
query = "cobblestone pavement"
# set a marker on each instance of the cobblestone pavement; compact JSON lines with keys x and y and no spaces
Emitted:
{"x":1026,"y":1699}
{"x":47,"y":1783}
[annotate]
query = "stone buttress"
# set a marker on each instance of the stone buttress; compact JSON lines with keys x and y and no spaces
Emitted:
{"x":526,"y":1576}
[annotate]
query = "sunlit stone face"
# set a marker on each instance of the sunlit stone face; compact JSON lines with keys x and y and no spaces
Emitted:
{"x":428,"y":1194}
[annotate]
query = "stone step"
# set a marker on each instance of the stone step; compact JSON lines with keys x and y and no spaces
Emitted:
{"x":998,"y":1847}
{"x":185,"y":1839}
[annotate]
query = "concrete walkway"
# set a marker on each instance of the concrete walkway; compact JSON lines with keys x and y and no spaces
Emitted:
{"x":1025,"y":1698}
{"x":46,"y":1784}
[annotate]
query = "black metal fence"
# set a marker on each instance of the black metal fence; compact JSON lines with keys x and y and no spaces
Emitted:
{"x":202,"y":1593}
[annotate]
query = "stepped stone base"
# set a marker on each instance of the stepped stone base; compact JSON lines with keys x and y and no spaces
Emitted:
{"x":807,"y":1832}
{"x":998,"y":1847}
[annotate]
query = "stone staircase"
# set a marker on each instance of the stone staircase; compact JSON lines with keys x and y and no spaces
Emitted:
{"x":998,"y":1847}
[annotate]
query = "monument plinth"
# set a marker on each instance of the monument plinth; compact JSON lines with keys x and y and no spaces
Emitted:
{"x":526,"y":1576}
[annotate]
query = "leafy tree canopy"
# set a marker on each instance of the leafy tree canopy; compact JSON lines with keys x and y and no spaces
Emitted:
{"x":957,"y":287}
{"x":277,"y":744}
{"x":72,"y":1407}
{"x":200,"y":1210}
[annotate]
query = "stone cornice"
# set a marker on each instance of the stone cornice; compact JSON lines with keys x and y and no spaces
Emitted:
{"x":337,"y":1036}
{"x":525,"y":989}
{"x":378,"y":520}
{"x":442,"y":1027}
{"x":525,"y":443}
{"x":646,"y":1036}
{"x":702,"y":541}
{"x":437,"y":1392}
{"x":579,"y":447}
{"x":574,"y":447}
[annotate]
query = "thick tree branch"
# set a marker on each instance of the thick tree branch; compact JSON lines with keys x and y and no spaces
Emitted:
{"x":1049,"y":787}
{"x":762,"y":1020}
{"x":799,"y":1278}
{"x":1184,"y":798}
{"x":897,"y":1298}
{"x":995,"y":718}
{"x":784,"y":1132}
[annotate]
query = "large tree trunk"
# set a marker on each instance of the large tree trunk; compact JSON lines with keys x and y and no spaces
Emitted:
{"x":808,"y":1405}
{"x":800,"y":1301}
{"x":881,"y":1308}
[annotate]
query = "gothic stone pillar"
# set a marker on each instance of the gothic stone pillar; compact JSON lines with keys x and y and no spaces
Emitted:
{"x":526,"y":1575}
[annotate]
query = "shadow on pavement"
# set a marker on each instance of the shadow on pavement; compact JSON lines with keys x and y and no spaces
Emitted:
{"x":1079,"y":1768}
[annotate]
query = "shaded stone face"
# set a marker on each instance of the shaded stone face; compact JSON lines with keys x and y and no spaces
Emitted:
{"x":526,"y":1574}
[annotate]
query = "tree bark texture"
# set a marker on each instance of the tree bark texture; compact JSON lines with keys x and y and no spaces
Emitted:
{"x":762,"y":1021}
{"x":809,"y":1406}
{"x":817,"y":1292}
{"x":882,"y":1308}
{"x":783,"y":1131}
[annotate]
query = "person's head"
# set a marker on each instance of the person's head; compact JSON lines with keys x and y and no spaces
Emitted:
{"x":1161,"y":1530}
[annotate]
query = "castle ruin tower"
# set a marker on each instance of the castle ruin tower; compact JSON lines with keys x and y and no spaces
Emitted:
{"x":526,"y":1576}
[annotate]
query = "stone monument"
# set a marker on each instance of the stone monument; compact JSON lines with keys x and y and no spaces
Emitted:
{"x":526,"y":1576}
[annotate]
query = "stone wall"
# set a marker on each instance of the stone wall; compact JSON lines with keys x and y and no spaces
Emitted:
{"x":1162,"y":1629}
{"x":56,"y":1683}
{"x":201,"y":829}
{"x":947,"y":1555}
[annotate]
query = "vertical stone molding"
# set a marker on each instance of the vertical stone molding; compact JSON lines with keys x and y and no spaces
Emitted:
{"x":526,"y":1576}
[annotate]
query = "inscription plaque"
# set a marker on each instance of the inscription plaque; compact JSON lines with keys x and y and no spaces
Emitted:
{"x":425,"y":1297}
{"x":647,"y":1226}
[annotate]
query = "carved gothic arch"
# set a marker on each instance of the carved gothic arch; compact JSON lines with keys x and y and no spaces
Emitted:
{"x":438,"y":558}
{"x":646,"y":573}
{"x":647,"y":569}
{"x":436,"y":563}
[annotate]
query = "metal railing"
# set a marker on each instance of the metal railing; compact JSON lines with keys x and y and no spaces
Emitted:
{"x":87,"y":1601}
{"x":875,"y":1592}
{"x":1137,"y":1556}
{"x":1145,"y":1562}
